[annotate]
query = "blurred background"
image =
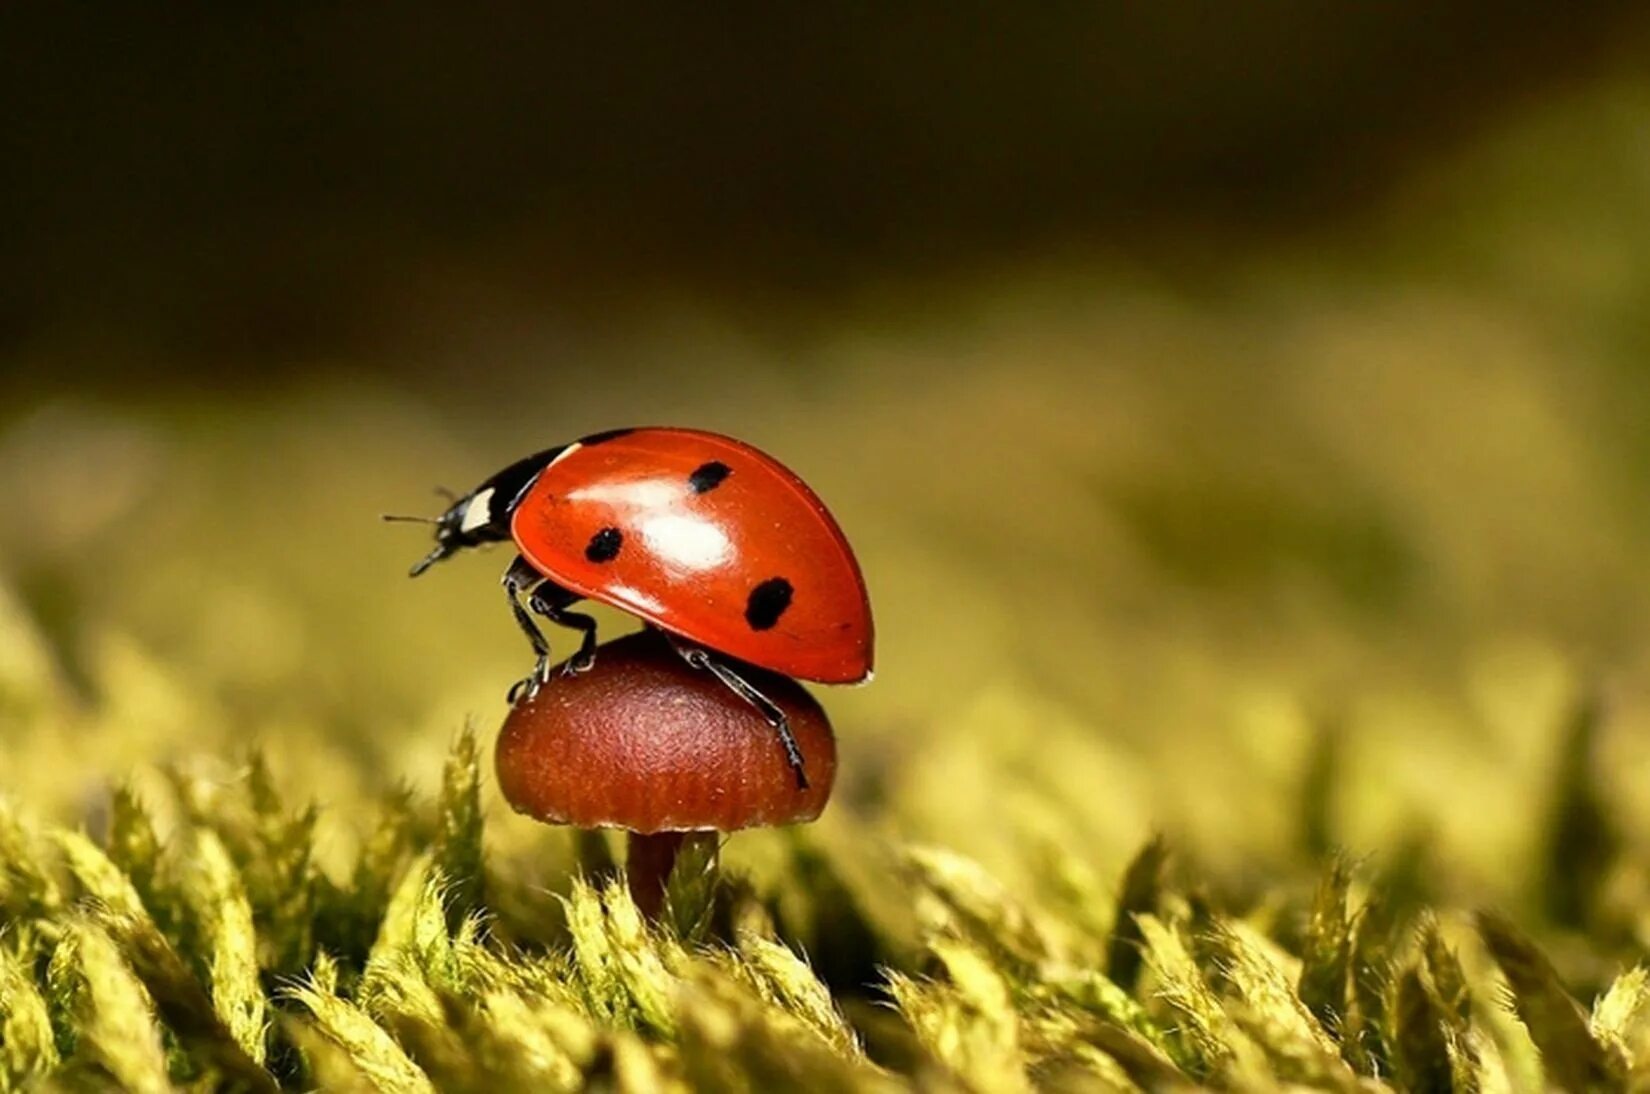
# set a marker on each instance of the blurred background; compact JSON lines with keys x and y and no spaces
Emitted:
{"x":1238,"y":409}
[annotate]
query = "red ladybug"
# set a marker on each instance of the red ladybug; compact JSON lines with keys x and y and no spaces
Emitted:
{"x":700,"y":535}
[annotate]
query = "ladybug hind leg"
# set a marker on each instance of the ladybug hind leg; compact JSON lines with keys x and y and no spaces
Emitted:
{"x":734,"y":682}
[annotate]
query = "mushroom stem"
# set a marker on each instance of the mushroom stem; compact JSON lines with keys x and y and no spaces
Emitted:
{"x":652,"y":857}
{"x":651,"y":868}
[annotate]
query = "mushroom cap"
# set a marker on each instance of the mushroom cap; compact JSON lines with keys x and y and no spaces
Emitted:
{"x":646,"y":742}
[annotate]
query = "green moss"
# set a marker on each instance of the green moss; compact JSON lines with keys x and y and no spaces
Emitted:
{"x":995,"y":992}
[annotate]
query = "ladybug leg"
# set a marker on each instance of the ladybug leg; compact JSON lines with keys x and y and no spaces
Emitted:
{"x":730,"y":678}
{"x":551,"y":600}
{"x":517,"y":579}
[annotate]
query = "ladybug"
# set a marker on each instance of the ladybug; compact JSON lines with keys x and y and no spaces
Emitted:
{"x":704,"y":537}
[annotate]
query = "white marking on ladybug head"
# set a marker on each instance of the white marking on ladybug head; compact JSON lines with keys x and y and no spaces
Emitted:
{"x":478,"y":511}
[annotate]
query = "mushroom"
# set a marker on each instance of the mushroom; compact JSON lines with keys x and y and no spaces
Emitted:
{"x":645,"y":742}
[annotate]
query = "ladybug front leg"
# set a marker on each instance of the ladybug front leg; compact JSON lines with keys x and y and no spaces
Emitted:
{"x":518,"y":579}
{"x":729,"y":676}
{"x":551,"y":601}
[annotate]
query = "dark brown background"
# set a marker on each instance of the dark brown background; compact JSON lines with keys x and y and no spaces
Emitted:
{"x":277,"y":183}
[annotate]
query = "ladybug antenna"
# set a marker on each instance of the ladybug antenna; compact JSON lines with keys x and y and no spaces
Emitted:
{"x":399,"y":518}
{"x":445,"y":494}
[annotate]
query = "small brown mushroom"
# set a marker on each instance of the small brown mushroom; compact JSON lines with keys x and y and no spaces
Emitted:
{"x":645,"y":742}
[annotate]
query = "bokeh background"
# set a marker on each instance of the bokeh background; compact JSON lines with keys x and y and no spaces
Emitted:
{"x":1239,"y":409}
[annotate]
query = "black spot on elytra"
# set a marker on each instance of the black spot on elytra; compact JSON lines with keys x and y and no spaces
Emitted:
{"x":607,"y":435}
{"x":604,"y":545}
{"x":767,"y":603}
{"x":708,"y":476}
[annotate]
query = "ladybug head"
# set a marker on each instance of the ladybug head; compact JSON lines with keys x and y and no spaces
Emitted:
{"x":482,"y":515}
{"x":455,"y":529}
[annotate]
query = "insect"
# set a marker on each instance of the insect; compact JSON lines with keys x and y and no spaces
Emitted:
{"x":702,"y":536}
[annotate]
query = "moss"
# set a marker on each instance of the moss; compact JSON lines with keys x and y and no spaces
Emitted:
{"x":996,"y":993}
